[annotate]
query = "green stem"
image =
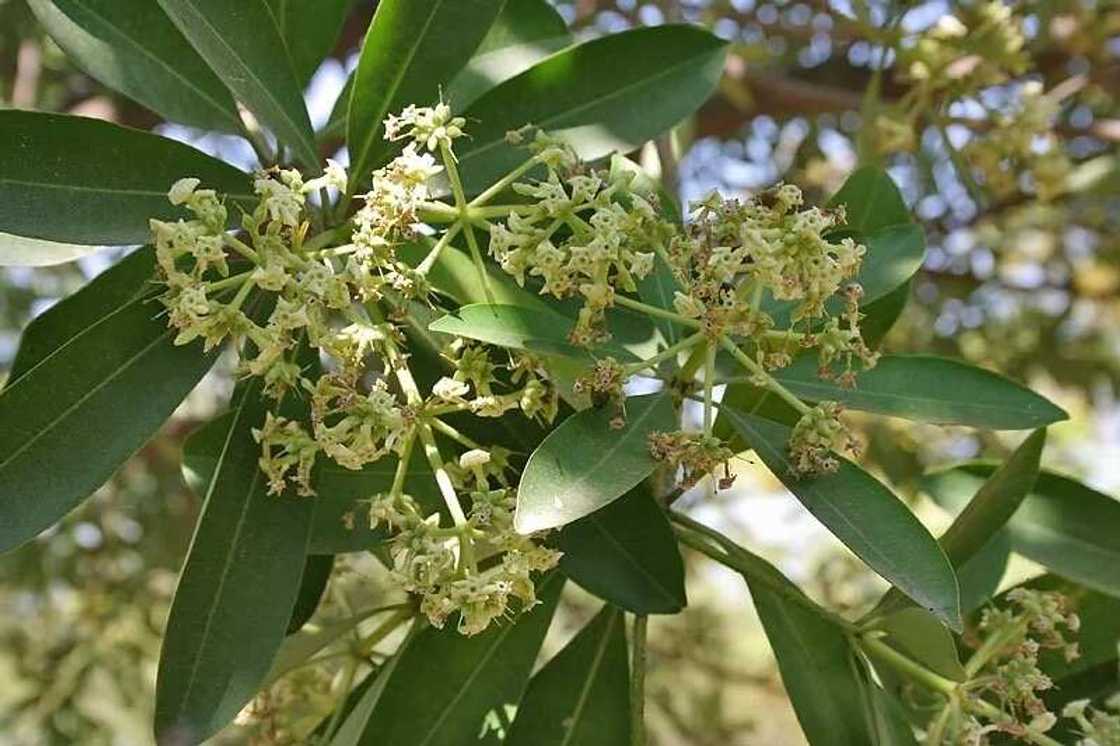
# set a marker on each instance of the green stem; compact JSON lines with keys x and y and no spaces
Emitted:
{"x":884,"y":653}
{"x":444,"y":241}
{"x":441,"y":426}
{"x":695,"y":360}
{"x":242,"y":248}
{"x":759,"y":372}
{"x":438,"y":212}
{"x":501,"y":184}
{"x":638,"y":681}
{"x":383,"y":630}
{"x":479,"y":267}
{"x":229,"y":282}
{"x":401,"y":473}
{"x":663,"y":313}
{"x":709,"y":382}
{"x":669,"y":353}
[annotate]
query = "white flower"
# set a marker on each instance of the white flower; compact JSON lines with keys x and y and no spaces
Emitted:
{"x":182,"y":190}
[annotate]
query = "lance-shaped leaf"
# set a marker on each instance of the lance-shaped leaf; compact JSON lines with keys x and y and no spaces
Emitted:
{"x":133,"y":47}
{"x":444,"y":683}
{"x":61,"y":178}
{"x":309,"y":29}
{"x":237,"y":590}
{"x":413,"y":48}
{"x":881,"y":315}
{"x":918,"y":635}
{"x":71,"y":411}
{"x":242,"y":44}
{"x":819,"y":669}
{"x":524,"y":33}
{"x":580,"y":696}
{"x":982,"y":521}
{"x":626,"y":554}
{"x":584,"y":463}
{"x":1062,"y":524}
{"x":928,"y":389}
{"x":865,"y":515}
{"x":584,"y":95}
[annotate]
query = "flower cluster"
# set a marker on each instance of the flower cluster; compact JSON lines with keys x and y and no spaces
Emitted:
{"x":430,"y":560}
{"x":584,"y":233}
{"x":1007,"y":665}
{"x":816,"y":436}
{"x":695,"y":454}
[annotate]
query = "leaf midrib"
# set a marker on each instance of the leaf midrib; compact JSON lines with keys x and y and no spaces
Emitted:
{"x":391,"y":92}
{"x":228,"y":561}
{"x":547,"y":122}
{"x":589,"y":682}
{"x":633,"y":560}
{"x":82,"y":399}
{"x":202,"y":94}
{"x":267,"y":90}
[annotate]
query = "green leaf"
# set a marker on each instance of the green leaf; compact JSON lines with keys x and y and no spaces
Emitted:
{"x":626,"y":554}
{"x":981,"y":523}
{"x":20,"y":251}
{"x":316,"y":573}
{"x":525,"y":32}
{"x":1061,"y":524}
{"x":309,"y":29}
{"x":886,"y":715}
{"x":127,"y":280}
{"x":894,"y":255}
{"x":340,"y":522}
{"x":242,"y":44}
{"x":581,"y":696}
{"x":871,"y":200}
{"x":819,"y":669}
{"x":915,"y":633}
{"x":132,"y":46}
{"x":61,"y":178}
{"x":584,"y":95}
{"x":584,"y":464}
{"x":928,"y":389}
{"x":540,"y":331}
{"x":866,"y":516}
{"x":881,"y":315}
{"x":236,"y":592}
{"x":980,"y":577}
{"x":71,"y":410}
{"x":413,"y":48}
{"x":445,"y":683}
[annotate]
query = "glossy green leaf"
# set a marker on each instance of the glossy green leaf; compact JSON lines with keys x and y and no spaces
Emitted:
{"x":928,"y":389}
{"x":525,"y":32}
{"x":819,"y":669}
{"x":133,"y":47}
{"x":979,"y":578}
{"x":626,"y":554}
{"x":309,"y":29}
{"x":61,"y":180}
{"x":237,"y":590}
{"x":981,"y":523}
{"x":581,"y":696}
{"x":127,"y":280}
{"x":445,"y":683}
{"x":871,"y":201}
{"x":413,"y":48}
{"x":541,"y":331}
{"x":242,"y":44}
{"x":20,"y":251}
{"x":584,"y":95}
{"x":866,"y":516}
{"x":1061,"y":524}
{"x":71,"y":412}
{"x":881,"y":315}
{"x":584,"y":463}
{"x":894,"y":255}
{"x":921,"y":637}
{"x":316,"y":573}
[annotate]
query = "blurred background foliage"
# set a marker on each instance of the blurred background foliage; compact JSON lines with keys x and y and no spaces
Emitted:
{"x":1000,"y":122}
